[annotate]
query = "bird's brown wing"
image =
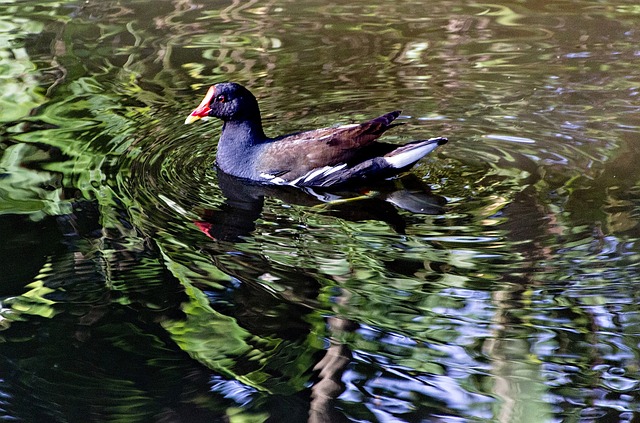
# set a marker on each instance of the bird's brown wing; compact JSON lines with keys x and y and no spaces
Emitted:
{"x":294,"y":155}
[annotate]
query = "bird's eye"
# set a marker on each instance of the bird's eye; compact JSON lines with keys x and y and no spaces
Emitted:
{"x":221,"y":98}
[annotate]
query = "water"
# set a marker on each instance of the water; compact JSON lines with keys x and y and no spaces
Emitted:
{"x":495,"y":282}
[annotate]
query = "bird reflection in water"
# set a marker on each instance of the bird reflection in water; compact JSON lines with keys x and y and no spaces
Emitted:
{"x":244,"y":201}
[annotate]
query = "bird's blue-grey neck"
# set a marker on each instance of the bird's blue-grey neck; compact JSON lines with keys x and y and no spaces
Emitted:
{"x":237,"y":147}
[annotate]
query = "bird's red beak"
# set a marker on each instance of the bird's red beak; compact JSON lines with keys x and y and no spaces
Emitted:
{"x":203,"y":109}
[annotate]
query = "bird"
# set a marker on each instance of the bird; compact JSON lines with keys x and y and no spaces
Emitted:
{"x":320,"y":158}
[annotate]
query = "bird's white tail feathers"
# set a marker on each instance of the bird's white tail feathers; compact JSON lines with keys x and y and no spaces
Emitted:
{"x":411,"y":153}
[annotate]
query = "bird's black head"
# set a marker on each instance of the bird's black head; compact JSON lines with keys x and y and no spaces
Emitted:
{"x":227,"y":101}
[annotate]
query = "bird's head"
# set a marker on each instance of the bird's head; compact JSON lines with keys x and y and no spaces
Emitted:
{"x":227,"y":101}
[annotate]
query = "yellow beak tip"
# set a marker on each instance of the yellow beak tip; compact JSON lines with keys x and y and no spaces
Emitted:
{"x":191,"y":119}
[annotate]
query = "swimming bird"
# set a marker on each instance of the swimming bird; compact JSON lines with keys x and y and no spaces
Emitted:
{"x":327,"y":157}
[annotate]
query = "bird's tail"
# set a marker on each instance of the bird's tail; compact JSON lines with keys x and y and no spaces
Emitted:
{"x":410,"y":153}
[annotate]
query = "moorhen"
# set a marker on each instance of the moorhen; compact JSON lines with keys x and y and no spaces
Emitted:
{"x":325,"y":157}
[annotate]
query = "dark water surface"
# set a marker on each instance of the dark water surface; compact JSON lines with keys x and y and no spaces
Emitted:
{"x":498,"y":281}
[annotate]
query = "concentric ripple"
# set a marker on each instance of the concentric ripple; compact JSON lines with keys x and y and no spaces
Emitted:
{"x":169,"y":174}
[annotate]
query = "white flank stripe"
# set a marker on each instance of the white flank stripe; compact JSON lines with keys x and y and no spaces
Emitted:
{"x":321,"y":171}
{"x":312,"y":174}
{"x":334,"y":169}
{"x":273,"y":179}
{"x":295,"y":181}
{"x":326,"y":170}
